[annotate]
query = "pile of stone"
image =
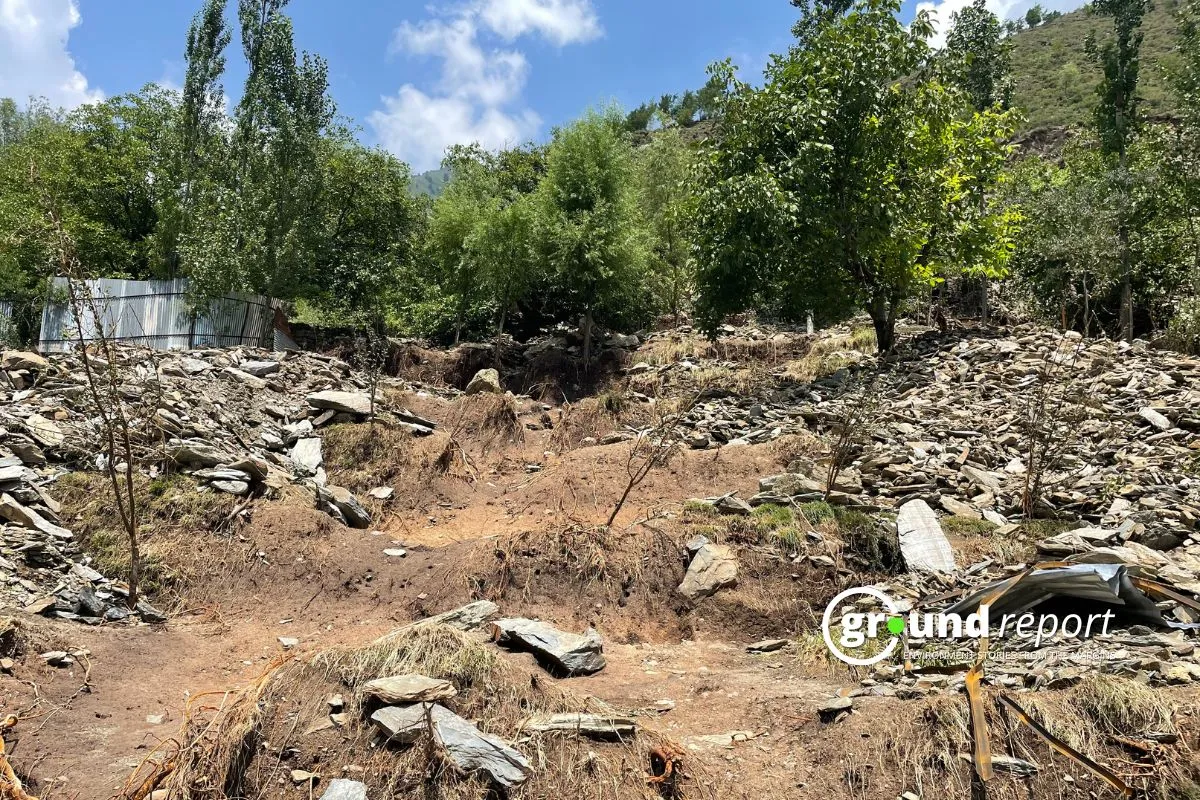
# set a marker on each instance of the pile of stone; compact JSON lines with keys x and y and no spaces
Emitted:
{"x":954,"y":420}
{"x":241,"y":421}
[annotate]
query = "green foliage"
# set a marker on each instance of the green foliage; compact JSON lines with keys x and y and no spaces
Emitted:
{"x":666,"y":193}
{"x":853,"y":177}
{"x":979,"y":57}
{"x":682,"y":111}
{"x":769,"y":517}
{"x":592,"y":236}
{"x":817,"y":512}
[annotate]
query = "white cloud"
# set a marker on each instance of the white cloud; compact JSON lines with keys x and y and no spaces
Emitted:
{"x":478,"y":85}
{"x":1004,"y":9}
{"x":560,"y":21}
{"x":490,"y":78}
{"x":419,"y":128}
{"x":34,"y":60}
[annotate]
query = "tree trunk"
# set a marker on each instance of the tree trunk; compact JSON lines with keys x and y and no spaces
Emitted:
{"x":883,"y":317}
{"x":586,"y":324}
{"x":1126,"y":295}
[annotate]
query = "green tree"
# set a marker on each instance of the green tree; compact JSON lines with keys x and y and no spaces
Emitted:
{"x":201,"y":145}
{"x":592,"y":232}
{"x":665,"y":198}
{"x":261,"y":218}
{"x":852,"y":177}
{"x":980,"y":57}
{"x":1116,"y":121}
{"x":1034,"y":16}
{"x":369,"y":230}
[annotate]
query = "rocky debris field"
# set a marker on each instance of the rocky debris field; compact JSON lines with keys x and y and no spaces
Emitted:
{"x":973,"y":431}
{"x":242,"y":422}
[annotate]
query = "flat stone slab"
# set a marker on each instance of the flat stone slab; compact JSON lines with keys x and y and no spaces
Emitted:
{"x":569,"y":653}
{"x":925,"y":547}
{"x":595,"y":726}
{"x":468,"y":748}
{"x":347,"y":402}
{"x":400,"y":689}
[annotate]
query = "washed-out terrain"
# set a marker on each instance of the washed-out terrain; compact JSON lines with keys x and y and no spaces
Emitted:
{"x":520,"y":579}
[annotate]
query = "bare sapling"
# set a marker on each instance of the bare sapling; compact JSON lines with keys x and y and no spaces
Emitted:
{"x":1051,"y":417}
{"x":652,"y":448}
{"x":372,"y":360}
{"x":103,"y":374}
{"x":852,"y":428}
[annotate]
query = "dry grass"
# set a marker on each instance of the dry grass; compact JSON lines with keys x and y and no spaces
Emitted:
{"x":611,"y":564}
{"x":829,"y":354}
{"x":175,"y":514}
{"x":590,"y":418}
{"x":245,"y":744}
{"x":361,"y":458}
{"x":486,"y":420}
{"x":922,"y":745}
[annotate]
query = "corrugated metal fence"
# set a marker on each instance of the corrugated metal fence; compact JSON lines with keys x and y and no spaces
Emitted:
{"x":158,"y":314}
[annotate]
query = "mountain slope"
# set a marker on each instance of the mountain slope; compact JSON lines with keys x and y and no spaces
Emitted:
{"x":1055,"y":79}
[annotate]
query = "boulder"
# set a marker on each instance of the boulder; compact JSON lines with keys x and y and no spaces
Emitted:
{"x":355,"y":513}
{"x":13,"y":511}
{"x":306,"y":455}
{"x":486,"y":380}
{"x":713,"y":568}
{"x":468,"y":748}
{"x":345,"y":402}
{"x":23,"y":359}
{"x":566,"y":653}
{"x":400,"y":689}
{"x":466,"y":618}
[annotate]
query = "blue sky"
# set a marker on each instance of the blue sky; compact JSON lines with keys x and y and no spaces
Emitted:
{"x":417,"y":76}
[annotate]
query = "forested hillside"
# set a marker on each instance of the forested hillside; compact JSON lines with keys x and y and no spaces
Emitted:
{"x":1055,"y":79}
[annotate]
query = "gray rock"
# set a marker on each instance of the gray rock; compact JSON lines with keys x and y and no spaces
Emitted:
{"x":197,"y":453}
{"x":260,"y":369}
{"x":466,"y":618}
{"x":344,"y":789}
{"x":237,"y":488}
{"x":568,"y":653}
{"x":468,"y":748}
{"x":403,"y":689}
{"x":355,"y":513}
{"x":346,"y":402}
{"x":1155,"y":418}
{"x":730,"y":504}
{"x":595,"y":726}
{"x":401,"y":725}
{"x":45,"y":431}
{"x":833,"y":708}
{"x":767,"y":646}
{"x":13,"y":511}
{"x":257,"y":384}
{"x":713,"y":568}
{"x":486,"y":380}
{"x":307,"y":455}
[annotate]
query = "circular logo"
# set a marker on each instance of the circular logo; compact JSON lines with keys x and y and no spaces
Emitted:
{"x":895,"y":625}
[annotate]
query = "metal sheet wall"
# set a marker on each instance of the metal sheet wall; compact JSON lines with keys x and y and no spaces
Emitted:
{"x":158,"y":314}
